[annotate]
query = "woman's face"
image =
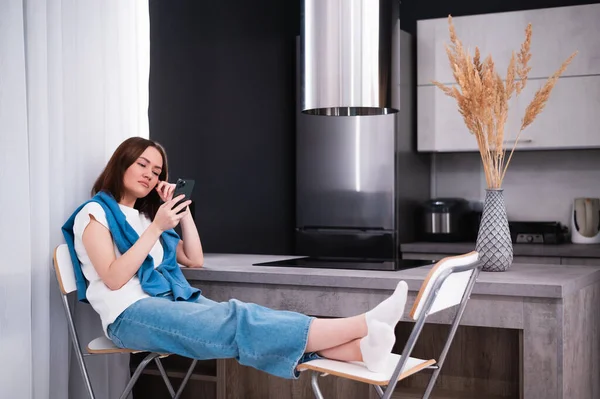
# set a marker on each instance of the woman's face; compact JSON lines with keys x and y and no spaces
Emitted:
{"x":142,"y":176}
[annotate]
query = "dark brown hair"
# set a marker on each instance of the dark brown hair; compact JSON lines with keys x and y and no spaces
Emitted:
{"x":111,"y":178}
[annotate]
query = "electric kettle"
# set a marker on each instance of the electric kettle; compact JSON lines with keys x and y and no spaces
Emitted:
{"x":585,"y":221}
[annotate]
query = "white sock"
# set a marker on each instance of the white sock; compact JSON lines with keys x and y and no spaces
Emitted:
{"x":377,"y":345}
{"x":390,"y":310}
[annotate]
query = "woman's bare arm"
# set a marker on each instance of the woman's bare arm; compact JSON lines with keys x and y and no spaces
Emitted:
{"x":116,"y":272}
{"x":189,"y":250}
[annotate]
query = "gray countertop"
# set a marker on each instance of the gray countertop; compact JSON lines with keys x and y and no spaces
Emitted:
{"x":521,"y":280}
{"x":560,"y":250}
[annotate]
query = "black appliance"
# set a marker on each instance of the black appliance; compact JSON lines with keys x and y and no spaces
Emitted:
{"x":349,"y":263}
{"x":538,"y":232}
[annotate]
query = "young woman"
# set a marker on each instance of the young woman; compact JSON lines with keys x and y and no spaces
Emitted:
{"x":126,"y":255}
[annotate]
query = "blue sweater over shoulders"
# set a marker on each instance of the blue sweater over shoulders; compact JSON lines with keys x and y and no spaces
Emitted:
{"x":166,"y":279}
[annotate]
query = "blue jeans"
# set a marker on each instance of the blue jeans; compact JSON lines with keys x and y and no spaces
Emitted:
{"x":270,"y":340}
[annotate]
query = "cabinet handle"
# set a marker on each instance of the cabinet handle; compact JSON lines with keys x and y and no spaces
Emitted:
{"x":520,"y":141}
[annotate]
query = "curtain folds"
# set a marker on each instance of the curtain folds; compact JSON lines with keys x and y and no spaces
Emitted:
{"x":73,"y":85}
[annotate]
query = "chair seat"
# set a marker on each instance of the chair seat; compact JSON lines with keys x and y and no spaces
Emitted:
{"x":105,"y":345}
{"x":358,"y":372}
{"x":102,"y":345}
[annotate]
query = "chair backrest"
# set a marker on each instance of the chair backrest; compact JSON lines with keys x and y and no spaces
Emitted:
{"x":448,"y":283}
{"x":451,"y":277}
{"x":65,"y":276}
{"x":64,"y":269}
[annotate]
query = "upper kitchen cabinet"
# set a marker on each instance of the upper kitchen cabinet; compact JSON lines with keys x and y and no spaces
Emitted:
{"x":556,"y":33}
{"x":570,"y":119}
{"x":440,"y":126}
{"x":571,"y":116}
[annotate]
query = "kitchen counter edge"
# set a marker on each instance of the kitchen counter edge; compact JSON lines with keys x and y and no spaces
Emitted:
{"x":567,"y":250}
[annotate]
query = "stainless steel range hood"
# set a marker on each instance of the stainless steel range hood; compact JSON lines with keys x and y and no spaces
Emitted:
{"x":346,"y":49}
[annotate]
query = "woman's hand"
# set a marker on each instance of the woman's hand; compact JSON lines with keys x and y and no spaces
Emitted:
{"x":166,"y":217}
{"x":165,"y":190}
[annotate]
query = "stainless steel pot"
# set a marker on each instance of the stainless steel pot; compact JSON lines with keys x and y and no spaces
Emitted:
{"x":446,"y":220}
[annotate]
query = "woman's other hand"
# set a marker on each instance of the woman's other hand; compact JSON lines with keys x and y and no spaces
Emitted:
{"x":166,"y":217}
{"x":165,"y":190}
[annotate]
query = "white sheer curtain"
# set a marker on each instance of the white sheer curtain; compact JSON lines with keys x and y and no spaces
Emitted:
{"x":73,"y":85}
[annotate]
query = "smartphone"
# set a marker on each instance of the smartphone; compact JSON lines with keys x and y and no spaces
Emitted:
{"x":183,"y":186}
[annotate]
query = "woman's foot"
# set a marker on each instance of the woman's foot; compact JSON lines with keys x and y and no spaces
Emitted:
{"x":325,"y":334}
{"x":377,"y":345}
{"x":390,"y":310}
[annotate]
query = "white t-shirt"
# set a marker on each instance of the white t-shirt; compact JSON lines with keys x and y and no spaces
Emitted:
{"x":107,"y":303}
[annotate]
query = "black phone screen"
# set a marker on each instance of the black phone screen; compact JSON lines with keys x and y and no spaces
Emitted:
{"x":183,"y":186}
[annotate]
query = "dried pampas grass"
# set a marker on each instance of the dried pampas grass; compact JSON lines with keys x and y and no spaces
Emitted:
{"x":482,"y":97}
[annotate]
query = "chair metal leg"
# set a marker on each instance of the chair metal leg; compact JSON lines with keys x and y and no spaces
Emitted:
{"x":163,"y":373}
{"x":314,"y":382}
{"x":440,"y":363}
{"x":137,"y":373}
{"x":75,"y":341}
{"x":378,"y":390}
{"x":186,"y":378}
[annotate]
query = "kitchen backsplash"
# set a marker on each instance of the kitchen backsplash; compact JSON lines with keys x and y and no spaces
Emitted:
{"x":539,"y":185}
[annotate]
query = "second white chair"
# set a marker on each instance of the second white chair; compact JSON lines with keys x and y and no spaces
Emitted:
{"x":449,"y":283}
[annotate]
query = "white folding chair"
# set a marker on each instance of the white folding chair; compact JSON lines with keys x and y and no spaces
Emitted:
{"x":65,"y":276}
{"x":449,"y":283}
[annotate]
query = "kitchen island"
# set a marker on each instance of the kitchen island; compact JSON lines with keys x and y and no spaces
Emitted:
{"x":530,"y":332}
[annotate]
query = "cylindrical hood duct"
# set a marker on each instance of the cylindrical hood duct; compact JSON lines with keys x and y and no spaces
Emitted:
{"x":346,"y":56}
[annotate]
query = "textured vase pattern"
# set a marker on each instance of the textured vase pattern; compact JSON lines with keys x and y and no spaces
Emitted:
{"x":494,"y":243}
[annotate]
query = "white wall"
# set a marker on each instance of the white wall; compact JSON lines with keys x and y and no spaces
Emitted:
{"x":539,"y":185}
